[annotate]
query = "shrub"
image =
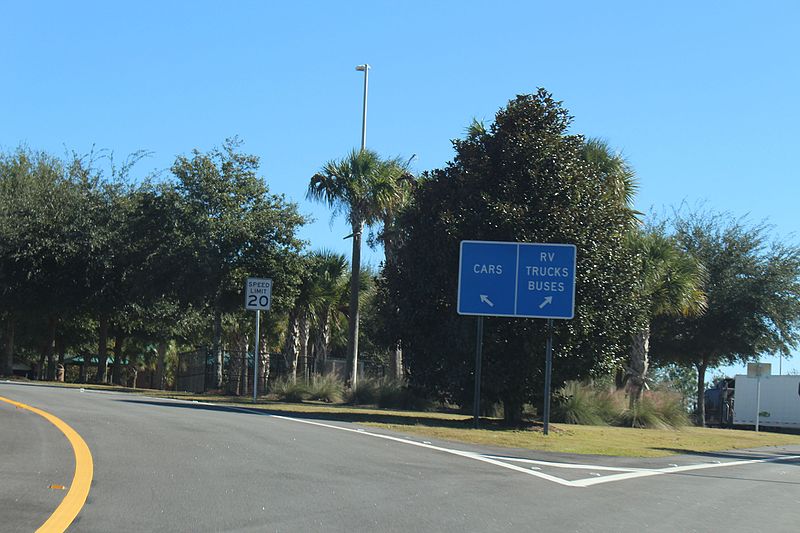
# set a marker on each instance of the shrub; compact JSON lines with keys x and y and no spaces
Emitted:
{"x":584,"y":404}
{"x":581,"y":404}
{"x":287,"y":391}
{"x":326,"y":389}
{"x":656,"y":409}
{"x":395,"y":394}
{"x":387,"y":393}
{"x":366,"y":392}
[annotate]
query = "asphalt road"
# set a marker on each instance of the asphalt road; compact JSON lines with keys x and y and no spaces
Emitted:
{"x":162,"y":465}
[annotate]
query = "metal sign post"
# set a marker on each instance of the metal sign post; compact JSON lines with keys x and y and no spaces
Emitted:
{"x":758,"y":400}
{"x":256,"y":356}
{"x":548,"y":371}
{"x":258,"y":297}
{"x":757,"y":370}
{"x":476,"y":406}
{"x":517,"y":280}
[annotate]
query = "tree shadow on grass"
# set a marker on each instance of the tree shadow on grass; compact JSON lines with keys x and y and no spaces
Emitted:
{"x":388,"y":417}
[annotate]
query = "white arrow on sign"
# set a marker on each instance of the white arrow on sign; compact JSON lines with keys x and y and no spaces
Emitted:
{"x":485,"y":299}
{"x":547,"y":300}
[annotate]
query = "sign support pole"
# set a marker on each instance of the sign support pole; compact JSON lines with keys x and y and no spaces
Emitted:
{"x":758,"y":398}
{"x":476,"y":408}
{"x":256,"y":356}
{"x":548,"y":371}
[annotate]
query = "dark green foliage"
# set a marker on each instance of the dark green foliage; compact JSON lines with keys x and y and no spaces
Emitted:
{"x":753,"y":292}
{"x":84,"y":249}
{"x":396,"y":394}
{"x":367,"y":392}
{"x":524,"y":179}
{"x":233,"y":227}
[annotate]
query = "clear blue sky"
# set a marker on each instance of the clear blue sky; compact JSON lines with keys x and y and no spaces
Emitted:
{"x":702,"y":97}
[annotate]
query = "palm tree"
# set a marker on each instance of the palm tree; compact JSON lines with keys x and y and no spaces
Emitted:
{"x":330,"y":270}
{"x":618,"y":176}
{"x":389,"y":237}
{"x":360,"y":186}
{"x":670,"y":284}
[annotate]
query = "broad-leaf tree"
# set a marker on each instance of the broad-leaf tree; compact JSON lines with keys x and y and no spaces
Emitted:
{"x":233,"y":228}
{"x":526,"y":179}
{"x":753,"y":293}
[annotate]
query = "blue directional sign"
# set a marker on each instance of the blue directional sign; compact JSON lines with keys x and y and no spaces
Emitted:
{"x":514,"y":279}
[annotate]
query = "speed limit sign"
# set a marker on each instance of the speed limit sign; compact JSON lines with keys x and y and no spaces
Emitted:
{"x":258,"y":294}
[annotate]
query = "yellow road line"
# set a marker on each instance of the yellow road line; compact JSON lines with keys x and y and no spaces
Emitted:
{"x":73,"y":501}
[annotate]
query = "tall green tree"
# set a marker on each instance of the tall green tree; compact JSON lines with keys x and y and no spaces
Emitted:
{"x":43,"y":219}
{"x":233,"y":227}
{"x":753,"y":293}
{"x":360,"y":186}
{"x":110,"y":206}
{"x":526,"y":179}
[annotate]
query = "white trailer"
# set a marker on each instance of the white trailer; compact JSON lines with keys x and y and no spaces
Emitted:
{"x":778,"y":405}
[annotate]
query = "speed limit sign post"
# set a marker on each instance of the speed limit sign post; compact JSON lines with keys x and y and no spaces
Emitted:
{"x":257,"y":296}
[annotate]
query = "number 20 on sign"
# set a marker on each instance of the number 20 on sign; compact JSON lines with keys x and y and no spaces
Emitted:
{"x":258,"y":294}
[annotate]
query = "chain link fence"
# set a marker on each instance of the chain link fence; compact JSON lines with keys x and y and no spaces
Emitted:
{"x":196,"y":371}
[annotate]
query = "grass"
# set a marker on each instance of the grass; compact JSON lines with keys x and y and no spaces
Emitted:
{"x":607,"y":440}
{"x":566,"y":438}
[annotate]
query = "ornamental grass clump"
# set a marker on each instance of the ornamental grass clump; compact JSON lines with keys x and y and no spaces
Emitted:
{"x":582,"y":404}
{"x":288,"y":391}
{"x":585,"y":404}
{"x":329,"y":389}
{"x":366,"y":393}
{"x":395,"y":393}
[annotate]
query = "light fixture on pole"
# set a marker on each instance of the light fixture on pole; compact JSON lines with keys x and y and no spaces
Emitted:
{"x":365,"y":69}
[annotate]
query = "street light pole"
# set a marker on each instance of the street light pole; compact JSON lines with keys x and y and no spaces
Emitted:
{"x":352,"y":337}
{"x":365,"y":69}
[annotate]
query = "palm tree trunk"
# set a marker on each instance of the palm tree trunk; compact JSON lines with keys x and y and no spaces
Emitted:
{"x":303,"y":331}
{"x":241,"y":387}
{"x":352,"y":333}
{"x":701,"y":392}
{"x":61,"y":369}
{"x":216,"y":347}
{"x":396,"y":361}
{"x":390,"y":252}
{"x":321,"y":340}
{"x":50,"y":348}
{"x":161,"y":363}
{"x":116,"y":369}
{"x":8,"y":360}
{"x":264,"y":367}
{"x":102,"y":351}
{"x":291,"y":347}
{"x":639,"y":362}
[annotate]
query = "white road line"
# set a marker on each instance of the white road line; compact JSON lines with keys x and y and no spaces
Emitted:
{"x":687,"y":468}
{"x":567,"y":465}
